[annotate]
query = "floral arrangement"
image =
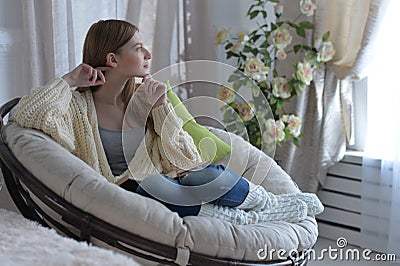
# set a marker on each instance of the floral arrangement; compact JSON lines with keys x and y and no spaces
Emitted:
{"x":258,"y":54}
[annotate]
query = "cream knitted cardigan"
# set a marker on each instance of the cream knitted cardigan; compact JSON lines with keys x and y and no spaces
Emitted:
{"x":70,"y":118}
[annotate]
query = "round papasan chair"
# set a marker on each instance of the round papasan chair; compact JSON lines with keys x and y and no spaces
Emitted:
{"x":53,"y":187}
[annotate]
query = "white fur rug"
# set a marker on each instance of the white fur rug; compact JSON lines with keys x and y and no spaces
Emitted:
{"x":23,"y":242}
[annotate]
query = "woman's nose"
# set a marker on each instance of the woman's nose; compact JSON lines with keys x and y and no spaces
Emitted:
{"x":147,"y":55}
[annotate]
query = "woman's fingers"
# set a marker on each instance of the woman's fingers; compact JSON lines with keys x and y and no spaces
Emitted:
{"x":154,"y":87}
{"x":85,"y":75}
{"x":149,"y":87}
{"x":96,"y":76}
{"x":100,"y":79}
{"x":101,"y":75}
{"x":85,"y":67}
{"x":154,"y":90}
{"x":104,"y":68}
{"x":93,"y":79}
{"x":146,"y":78}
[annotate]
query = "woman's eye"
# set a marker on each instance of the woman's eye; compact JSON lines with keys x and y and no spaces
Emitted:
{"x":139,"y":48}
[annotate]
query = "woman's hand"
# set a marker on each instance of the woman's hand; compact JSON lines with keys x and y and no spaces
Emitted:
{"x":156,"y":91}
{"x":86,"y":76}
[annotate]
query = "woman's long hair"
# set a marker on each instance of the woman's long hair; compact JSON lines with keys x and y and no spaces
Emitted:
{"x":103,"y":37}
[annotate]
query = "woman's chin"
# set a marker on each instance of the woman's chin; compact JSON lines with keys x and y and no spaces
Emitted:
{"x":141,"y":74}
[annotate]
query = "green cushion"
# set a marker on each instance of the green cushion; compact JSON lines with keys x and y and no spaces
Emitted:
{"x":210,"y":147}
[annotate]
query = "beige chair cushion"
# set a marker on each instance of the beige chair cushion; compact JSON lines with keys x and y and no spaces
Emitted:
{"x":80,"y":185}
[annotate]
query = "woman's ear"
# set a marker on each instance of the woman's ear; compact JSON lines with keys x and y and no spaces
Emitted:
{"x":111,"y":60}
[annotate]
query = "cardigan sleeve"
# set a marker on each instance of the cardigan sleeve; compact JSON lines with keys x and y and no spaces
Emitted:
{"x":175,"y":145}
{"x":46,"y":109}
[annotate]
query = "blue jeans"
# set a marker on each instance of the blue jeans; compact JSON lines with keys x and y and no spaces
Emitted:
{"x":235,"y":188}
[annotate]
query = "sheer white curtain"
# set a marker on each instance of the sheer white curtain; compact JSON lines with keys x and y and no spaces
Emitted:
{"x":381,"y":164}
{"x":48,"y":39}
{"x":54,"y":31}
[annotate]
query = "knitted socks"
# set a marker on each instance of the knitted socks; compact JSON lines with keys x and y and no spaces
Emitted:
{"x":261,"y":206}
{"x":293,"y":212}
{"x":314,"y":205}
{"x":259,"y":199}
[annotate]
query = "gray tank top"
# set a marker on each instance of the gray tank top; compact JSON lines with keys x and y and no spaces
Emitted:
{"x":118,"y":156}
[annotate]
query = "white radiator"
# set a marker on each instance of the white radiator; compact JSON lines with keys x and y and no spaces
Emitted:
{"x":341,"y":196}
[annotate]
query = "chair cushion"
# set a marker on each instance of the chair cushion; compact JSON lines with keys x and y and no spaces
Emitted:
{"x":89,"y":191}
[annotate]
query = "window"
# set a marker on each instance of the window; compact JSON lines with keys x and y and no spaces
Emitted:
{"x":383,"y":103}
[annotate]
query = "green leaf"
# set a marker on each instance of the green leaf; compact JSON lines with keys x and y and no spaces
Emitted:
{"x":301,"y":32}
{"x":236,"y":85}
{"x":306,"y":25}
{"x":297,"y":48}
{"x":254,"y":14}
{"x":263,"y":84}
{"x":228,"y":45}
{"x":325,"y":37}
{"x":254,"y":51}
{"x":267,"y":56}
{"x":265,"y":44}
{"x":250,"y":8}
{"x":296,"y":142}
{"x":264,"y":13}
{"x":229,"y":54}
{"x":291,"y":24}
{"x":279,"y":105}
{"x":266,"y":26}
{"x":290,"y":84}
{"x":233,"y":78}
{"x":253,"y":32}
{"x":255,"y":38}
{"x":275,"y":73}
{"x":247,"y":49}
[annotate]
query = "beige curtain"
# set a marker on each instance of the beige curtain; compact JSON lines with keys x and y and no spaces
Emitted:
{"x":326,"y":108}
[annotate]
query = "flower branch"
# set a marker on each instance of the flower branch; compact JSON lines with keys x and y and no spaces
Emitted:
{"x":257,"y":55}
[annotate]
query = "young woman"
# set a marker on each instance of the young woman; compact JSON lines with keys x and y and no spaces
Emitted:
{"x":89,"y":123}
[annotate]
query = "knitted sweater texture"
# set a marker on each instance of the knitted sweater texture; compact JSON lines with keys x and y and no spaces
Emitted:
{"x":70,"y":118}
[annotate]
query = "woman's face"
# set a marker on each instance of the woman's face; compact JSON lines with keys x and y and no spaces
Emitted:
{"x":133,"y":58}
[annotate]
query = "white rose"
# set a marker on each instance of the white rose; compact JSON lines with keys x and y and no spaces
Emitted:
{"x":304,"y":72}
{"x":281,"y":38}
{"x":326,"y":52}
{"x":280,"y":88}
{"x":307,"y":7}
